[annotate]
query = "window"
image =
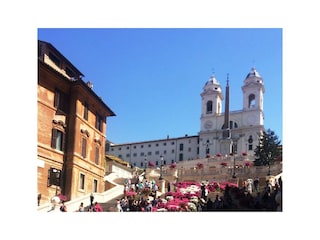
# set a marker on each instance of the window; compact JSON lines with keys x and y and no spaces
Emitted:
{"x":181,"y":147}
{"x":99,"y":122}
{"x":95,"y":185}
{"x":57,"y":139}
{"x":97,"y":155}
{"x":209,"y":107}
{"x":149,"y":153}
{"x":142,"y":154}
{"x":84,"y":148}
{"x":135,"y":154}
{"x":54,"y":176}
{"x":85,"y":112}
{"x":252,"y":101}
{"x":157,"y":153}
{"x":232,"y":125}
{"x":164,"y":144}
{"x":61,"y":101}
{"x":81,"y":183}
{"x":180,"y":156}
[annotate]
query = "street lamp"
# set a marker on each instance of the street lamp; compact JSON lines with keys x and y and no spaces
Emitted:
{"x":269,"y":157}
{"x":234,"y":165}
{"x":161,"y":165}
{"x":145,"y":168}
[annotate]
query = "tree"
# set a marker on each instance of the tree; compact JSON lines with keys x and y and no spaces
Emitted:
{"x":268,"y":149}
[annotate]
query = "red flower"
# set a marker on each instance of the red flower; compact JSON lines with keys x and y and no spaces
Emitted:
{"x":200,"y":165}
{"x":218,"y":155}
{"x":231,"y":154}
{"x":247,"y":163}
{"x":244,"y":154}
{"x":173,"y":165}
{"x":224,"y":164}
{"x":151,"y":164}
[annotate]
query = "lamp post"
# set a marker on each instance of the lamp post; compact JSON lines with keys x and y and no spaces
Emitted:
{"x":145,"y":168}
{"x":269,"y":157}
{"x":234,"y":165}
{"x":161,"y":165}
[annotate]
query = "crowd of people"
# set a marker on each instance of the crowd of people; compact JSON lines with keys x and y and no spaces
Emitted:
{"x":142,"y":195}
{"x":248,"y":197}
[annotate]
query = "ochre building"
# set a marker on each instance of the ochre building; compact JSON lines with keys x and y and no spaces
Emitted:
{"x":71,"y":129}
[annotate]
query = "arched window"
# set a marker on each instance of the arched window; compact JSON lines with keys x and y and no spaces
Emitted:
{"x":232,"y":125}
{"x":209,"y":107}
{"x":252,"y":101}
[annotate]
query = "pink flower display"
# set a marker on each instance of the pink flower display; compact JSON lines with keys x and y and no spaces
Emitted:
{"x":131,"y":193}
{"x":173,"y":166}
{"x":151,"y":164}
{"x":247,"y":163}
{"x":199,"y":165}
{"x":224,"y":164}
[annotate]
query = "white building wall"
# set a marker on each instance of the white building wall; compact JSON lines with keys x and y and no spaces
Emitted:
{"x":136,"y":153}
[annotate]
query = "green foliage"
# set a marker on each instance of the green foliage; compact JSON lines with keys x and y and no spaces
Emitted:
{"x":268,"y":149}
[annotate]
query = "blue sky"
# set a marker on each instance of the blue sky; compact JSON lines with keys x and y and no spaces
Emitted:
{"x":152,"y":77}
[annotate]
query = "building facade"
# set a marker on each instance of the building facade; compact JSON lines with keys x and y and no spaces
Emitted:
{"x":71,"y":129}
{"x":245,"y":127}
{"x":172,"y":150}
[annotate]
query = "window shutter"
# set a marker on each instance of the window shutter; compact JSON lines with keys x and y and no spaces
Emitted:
{"x":54,"y":138}
{"x":84,"y":147}
{"x":97,"y":155}
{"x":63,"y":142}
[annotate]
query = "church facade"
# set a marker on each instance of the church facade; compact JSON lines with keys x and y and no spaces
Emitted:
{"x":221,"y":133}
